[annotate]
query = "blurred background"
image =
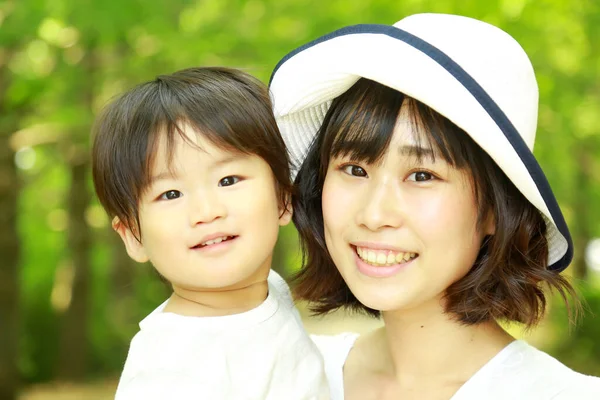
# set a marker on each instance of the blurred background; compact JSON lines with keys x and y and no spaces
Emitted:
{"x":70,"y":299}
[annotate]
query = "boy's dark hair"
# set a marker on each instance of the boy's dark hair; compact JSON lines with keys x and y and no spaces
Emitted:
{"x":505,"y":282}
{"x":230,"y":108}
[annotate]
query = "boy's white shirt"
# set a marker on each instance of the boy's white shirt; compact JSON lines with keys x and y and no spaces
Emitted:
{"x":264,"y":353}
{"x":517,"y":372}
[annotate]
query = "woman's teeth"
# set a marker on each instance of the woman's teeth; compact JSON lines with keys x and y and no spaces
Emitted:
{"x":383,"y":258}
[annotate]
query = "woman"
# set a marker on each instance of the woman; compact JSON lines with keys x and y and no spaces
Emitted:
{"x":419,"y":200}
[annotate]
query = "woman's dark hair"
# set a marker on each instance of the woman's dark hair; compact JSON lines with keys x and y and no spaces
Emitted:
{"x":506,"y":281}
{"x":230,"y":108}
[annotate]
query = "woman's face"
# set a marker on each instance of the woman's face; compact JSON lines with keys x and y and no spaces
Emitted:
{"x":404,"y":229}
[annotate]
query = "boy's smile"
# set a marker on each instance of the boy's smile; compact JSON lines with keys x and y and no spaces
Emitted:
{"x":216,"y":245}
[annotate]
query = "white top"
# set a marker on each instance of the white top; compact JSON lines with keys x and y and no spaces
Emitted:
{"x":518,"y":372}
{"x":263,"y":353}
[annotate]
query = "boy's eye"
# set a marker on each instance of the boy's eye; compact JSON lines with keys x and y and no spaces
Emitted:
{"x":170,"y":195}
{"x":421,"y":176}
{"x":354,"y":170}
{"x":229,"y":180}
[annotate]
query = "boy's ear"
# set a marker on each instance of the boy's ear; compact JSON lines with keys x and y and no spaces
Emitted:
{"x":134,"y":247}
{"x":286,"y":211}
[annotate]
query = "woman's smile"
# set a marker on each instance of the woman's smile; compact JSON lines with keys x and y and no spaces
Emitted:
{"x":382,"y":263}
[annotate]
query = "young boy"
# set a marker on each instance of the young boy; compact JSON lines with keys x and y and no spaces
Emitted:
{"x":194,"y":173}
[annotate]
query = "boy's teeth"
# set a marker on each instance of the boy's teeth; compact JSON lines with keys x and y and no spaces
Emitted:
{"x":214,"y":241}
{"x":386,"y":257}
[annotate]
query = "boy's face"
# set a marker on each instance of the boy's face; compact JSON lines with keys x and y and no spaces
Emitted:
{"x":211,"y":220}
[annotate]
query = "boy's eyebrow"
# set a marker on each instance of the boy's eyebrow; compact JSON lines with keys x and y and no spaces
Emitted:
{"x":229,"y":159}
{"x":161,"y":176}
{"x":172,"y":175}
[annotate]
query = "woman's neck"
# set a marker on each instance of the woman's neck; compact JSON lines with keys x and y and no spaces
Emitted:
{"x":426,"y":343}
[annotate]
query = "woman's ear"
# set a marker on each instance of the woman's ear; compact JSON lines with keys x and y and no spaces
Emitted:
{"x":134,"y":247}
{"x":489,"y":227}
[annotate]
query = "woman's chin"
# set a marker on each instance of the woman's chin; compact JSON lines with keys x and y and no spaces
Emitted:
{"x":380,"y":300}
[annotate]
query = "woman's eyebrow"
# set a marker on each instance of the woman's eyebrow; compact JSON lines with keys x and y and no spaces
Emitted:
{"x":416,"y":151}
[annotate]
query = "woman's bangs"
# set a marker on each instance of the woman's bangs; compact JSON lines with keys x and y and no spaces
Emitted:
{"x":361,"y":122}
{"x":364,"y":139}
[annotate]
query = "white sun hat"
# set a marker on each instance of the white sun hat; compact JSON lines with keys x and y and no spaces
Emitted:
{"x":469,"y":71}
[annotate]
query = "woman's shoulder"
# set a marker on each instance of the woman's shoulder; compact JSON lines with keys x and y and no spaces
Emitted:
{"x":523,"y":371}
{"x":335,"y":349}
{"x":569,"y":383}
{"x":337,"y":340}
{"x":581,"y":387}
{"x":542,"y":361}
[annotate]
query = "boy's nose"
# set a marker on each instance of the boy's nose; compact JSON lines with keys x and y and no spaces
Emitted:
{"x":206,"y":207}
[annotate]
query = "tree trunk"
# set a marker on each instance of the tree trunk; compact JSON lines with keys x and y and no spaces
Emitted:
{"x":73,"y":349}
{"x":9,"y":252}
{"x":122,"y":304}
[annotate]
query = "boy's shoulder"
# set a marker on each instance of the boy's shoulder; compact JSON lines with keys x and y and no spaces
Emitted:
{"x":277,"y":283}
{"x":161,"y":357}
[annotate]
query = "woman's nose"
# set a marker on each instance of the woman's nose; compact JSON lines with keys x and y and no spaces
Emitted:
{"x":382,"y":206}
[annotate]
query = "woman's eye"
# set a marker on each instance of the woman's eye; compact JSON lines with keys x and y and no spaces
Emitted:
{"x":229,"y":180}
{"x":170,"y":195}
{"x":354,"y":170}
{"x":421,"y":176}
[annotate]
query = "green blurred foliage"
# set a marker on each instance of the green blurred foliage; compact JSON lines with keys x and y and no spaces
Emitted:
{"x":66,"y":59}
{"x":579,"y":348}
